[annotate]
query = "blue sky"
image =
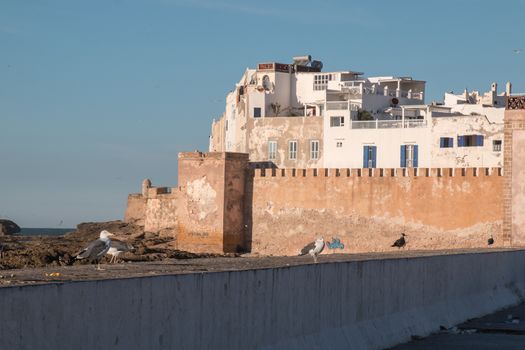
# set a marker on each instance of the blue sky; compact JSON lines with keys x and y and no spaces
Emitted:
{"x":97,"y":95}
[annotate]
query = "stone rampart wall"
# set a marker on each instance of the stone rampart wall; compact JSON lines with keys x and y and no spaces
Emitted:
{"x":368,"y":209}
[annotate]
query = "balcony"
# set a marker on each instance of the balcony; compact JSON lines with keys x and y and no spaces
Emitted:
{"x":388,"y":124}
{"x":357,"y":90}
{"x":341,"y":106}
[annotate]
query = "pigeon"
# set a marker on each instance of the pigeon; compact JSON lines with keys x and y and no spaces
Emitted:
{"x":490,"y":241}
{"x":400,"y":242}
{"x":313,"y":248}
{"x":116,"y":248}
{"x":96,"y":249}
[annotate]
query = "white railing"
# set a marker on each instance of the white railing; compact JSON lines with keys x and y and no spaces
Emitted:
{"x":357,"y":89}
{"x":341,"y":105}
{"x":387,"y":124}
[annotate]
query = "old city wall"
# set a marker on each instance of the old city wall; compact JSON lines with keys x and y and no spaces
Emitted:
{"x":368,"y":209}
{"x":197,"y":212}
{"x":514,"y":188}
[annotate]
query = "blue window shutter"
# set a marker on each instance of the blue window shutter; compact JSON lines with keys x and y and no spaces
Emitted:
{"x":374,"y":149}
{"x":402,"y":157}
{"x":415,"y":156}
{"x":441,"y":142}
{"x":451,"y":142}
{"x":365,"y":156}
{"x":461,"y":141}
{"x":479,"y":140}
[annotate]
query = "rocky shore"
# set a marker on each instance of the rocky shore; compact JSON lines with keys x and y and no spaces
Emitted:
{"x":18,"y":252}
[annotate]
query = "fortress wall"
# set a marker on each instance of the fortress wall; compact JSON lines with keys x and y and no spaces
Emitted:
{"x":354,"y":305}
{"x":136,"y":209}
{"x":367,"y":209}
{"x":161,"y":213}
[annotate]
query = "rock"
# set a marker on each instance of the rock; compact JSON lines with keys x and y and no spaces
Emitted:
{"x":8,"y":227}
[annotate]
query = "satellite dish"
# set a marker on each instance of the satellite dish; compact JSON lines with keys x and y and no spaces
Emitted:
{"x":266,"y":83}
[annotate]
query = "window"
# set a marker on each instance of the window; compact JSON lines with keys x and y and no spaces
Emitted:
{"x":337,"y":121}
{"x":409,"y":156}
{"x":496,"y":145}
{"x":470,"y":140}
{"x":321,"y":81}
{"x":369,"y":156}
{"x":256,"y":112}
{"x":339,"y":144}
{"x":292,"y":150}
{"x":272,"y":150}
{"x":314,"y":149}
{"x":226,"y":125}
{"x":446,"y":142}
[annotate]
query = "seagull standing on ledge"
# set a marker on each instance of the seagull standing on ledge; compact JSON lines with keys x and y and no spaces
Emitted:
{"x":96,"y":249}
{"x":116,"y":248}
{"x":400,"y":242}
{"x":313,"y":248}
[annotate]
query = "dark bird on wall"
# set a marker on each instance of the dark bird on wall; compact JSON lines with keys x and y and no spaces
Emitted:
{"x":314,"y":248}
{"x":490,"y":241}
{"x":116,"y":248}
{"x":96,"y":249}
{"x":400,"y":242}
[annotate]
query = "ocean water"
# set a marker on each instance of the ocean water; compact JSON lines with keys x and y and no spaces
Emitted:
{"x":44,"y":231}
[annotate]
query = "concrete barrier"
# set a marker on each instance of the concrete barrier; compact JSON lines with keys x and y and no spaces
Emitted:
{"x":351,"y":305}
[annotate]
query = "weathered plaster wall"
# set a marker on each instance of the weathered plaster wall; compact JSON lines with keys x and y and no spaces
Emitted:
{"x":162,"y":213}
{"x":283,"y":130}
{"x":514,"y":189}
{"x":518,"y":187}
{"x":210,"y":204}
{"x":217,"y":136}
{"x":480,"y":156}
{"x":371,"y":304}
{"x":135,"y":209}
{"x":200,"y":215}
{"x":368,"y":213}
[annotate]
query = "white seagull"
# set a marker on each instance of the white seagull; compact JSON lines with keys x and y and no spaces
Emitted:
{"x":96,"y":249}
{"x":116,"y":248}
{"x":314,"y":248}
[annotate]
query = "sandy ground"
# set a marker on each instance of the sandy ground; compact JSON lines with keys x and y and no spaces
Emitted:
{"x":191,"y":264}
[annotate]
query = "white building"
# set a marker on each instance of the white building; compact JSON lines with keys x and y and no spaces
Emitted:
{"x":295,"y":116}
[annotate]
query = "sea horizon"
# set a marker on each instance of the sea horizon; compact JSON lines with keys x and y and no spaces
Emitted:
{"x":43,"y":231}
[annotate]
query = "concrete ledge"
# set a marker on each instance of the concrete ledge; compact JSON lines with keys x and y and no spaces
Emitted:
{"x":345,"y":305}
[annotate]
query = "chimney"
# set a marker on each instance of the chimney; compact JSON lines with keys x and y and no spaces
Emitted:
{"x":508,"y":88}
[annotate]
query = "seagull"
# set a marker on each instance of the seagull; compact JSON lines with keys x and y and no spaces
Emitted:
{"x":96,"y":249}
{"x":517,"y":51}
{"x":313,"y":248}
{"x":400,"y":242}
{"x":116,"y":248}
{"x":490,"y":241}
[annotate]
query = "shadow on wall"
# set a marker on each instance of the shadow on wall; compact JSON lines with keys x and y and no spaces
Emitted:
{"x":248,"y":213}
{"x":248,"y":201}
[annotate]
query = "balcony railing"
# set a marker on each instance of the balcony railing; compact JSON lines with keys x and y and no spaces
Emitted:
{"x":357,"y":89}
{"x":342,"y":105}
{"x":387,"y":124}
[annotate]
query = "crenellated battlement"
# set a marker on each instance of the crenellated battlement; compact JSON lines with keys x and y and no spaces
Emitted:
{"x":376,"y":172}
{"x":223,"y":204}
